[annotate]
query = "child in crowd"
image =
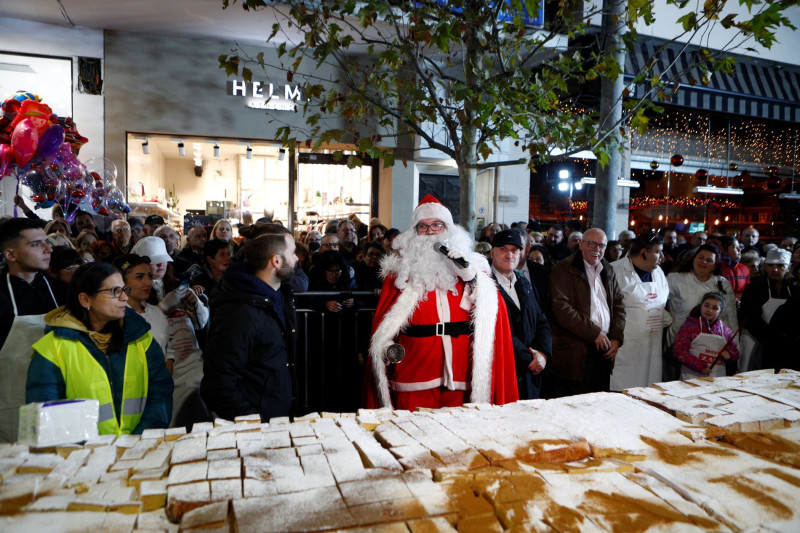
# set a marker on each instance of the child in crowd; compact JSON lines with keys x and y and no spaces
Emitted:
{"x":703,"y":338}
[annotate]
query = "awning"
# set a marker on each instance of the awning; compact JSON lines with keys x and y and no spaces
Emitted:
{"x":759,"y":88}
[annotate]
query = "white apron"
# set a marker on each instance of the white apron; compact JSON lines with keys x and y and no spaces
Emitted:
{"x":15,"y":357}
{"x":706,"y":347}
{"x":749,"y":347}
{"x":187,"y":372}
{"x":638,"y":362}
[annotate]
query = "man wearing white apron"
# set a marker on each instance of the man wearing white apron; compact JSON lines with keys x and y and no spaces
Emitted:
{"x":645,"y":290}
{"x":760,"y":300}
{"x":25,"y":297}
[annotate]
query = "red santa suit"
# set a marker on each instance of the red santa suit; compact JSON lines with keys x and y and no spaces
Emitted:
{"x":441,"y":370}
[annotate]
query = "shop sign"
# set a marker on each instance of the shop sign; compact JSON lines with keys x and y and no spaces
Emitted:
{"x":259,"y":95}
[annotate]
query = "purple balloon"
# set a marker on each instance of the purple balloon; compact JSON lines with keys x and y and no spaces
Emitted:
{"x":51,"y":140}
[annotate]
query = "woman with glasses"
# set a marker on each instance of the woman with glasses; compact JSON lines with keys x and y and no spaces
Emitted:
{"x":97,"y":347}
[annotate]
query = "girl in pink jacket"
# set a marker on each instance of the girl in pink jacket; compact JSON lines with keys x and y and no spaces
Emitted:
{"x":703,"y":338}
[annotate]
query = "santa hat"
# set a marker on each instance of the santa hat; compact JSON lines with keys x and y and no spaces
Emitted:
{"x":430,"y":207}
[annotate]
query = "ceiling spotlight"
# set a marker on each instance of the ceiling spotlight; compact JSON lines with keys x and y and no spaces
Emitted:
{"x":181,"y":149}
{"x":281,"y":154}
{"x":563,"y":174}
{"x":146,"y":147}
{"x":216,"y":150}
{"x":249,"y":152}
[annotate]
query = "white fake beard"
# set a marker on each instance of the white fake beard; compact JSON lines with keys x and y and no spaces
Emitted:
{"x":424,"y":267}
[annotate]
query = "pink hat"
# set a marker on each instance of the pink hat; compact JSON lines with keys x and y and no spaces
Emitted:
{"x":430,"y":207}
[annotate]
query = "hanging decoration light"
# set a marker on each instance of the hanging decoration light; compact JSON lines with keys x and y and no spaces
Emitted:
{"x":701,"y":175}
{"x":676,"y":160}
{"x":653,"y":165}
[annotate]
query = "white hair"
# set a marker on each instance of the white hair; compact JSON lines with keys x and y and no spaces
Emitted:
{"x":418,"y":263}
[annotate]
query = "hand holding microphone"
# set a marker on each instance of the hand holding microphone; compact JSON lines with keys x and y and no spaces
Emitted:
{"x":454,"y":255}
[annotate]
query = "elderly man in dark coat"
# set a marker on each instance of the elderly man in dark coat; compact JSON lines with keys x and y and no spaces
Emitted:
{"x":588,"y":319}
{"x":530,"y":331}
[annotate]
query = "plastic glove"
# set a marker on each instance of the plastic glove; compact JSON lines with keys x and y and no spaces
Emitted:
{"x":172,"y":299}
{"x":196,"y":307}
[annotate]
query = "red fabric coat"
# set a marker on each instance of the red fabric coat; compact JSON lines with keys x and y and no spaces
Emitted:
{"x":419,"y":374}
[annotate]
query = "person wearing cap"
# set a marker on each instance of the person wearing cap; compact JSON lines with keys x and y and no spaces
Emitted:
{"x":530,"y":331}
{"x":760,"y":300}
{"x":645,"y":289}
{"x":588,"y":320}
{"x":783,"y":335}
{"x":440,"y":336}
{"x":152,"y":223}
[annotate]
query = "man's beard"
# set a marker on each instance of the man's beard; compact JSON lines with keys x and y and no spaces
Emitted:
{"x":284,"y":272}
{"x":425,"y":267}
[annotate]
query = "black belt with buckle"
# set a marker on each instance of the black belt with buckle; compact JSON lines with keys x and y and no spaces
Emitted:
{"x":452,"y":329}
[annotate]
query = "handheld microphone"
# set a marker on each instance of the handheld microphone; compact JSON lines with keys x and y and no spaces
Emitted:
{"x":442,"y":249}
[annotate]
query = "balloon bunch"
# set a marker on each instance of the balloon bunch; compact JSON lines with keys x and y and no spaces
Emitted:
{"x":40,"y":150}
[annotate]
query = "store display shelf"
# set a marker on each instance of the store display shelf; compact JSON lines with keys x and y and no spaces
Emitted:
{"x":152,"y":208}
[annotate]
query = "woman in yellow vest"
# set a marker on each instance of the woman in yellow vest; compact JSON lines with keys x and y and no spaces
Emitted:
{"x":97,"y":347}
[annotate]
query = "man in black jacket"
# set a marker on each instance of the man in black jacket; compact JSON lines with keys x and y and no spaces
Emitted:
{"x":530,"y":331}
{"x":249,"y":357}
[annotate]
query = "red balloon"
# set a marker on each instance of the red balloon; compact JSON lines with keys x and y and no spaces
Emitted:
{"x":38,"y":198}
{"x":24,"y":141}
{"x":676,"y":160}
{"x":77,"y":193}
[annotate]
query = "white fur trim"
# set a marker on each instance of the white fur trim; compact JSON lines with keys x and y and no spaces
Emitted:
{"x":432,"y":210}
{"x":484,"y":317}
{"x":393,"y":321}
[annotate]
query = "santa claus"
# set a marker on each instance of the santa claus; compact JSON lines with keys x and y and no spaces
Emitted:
{"x":440,"y":335}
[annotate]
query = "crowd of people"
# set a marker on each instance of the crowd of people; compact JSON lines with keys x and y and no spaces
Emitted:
{"x":127,"y":303}
{"x":167,"y":330}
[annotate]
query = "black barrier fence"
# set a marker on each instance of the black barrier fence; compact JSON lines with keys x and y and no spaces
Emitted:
{"x":332,"y":349}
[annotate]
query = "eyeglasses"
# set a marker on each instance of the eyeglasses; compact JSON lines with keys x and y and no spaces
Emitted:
{"x":592,"y":244}
{"x":435,"y":226}
{"x":335,"y":270}
{"x":122,"y":230}
{"x":116,"y":292}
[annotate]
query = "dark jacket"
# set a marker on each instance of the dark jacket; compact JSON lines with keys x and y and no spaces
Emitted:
{"x":756,"y":295}
{"x":529,"y":329}
{"x":573,"y":331}
{"x":46,"y":382}
{"x":783,"y":335}
{"x":540,"y":279}
{"x":192,"y":257}
{"x":249,"y":357}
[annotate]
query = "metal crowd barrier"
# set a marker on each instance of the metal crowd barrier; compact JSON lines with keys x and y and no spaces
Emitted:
{"x":331,"y":351}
